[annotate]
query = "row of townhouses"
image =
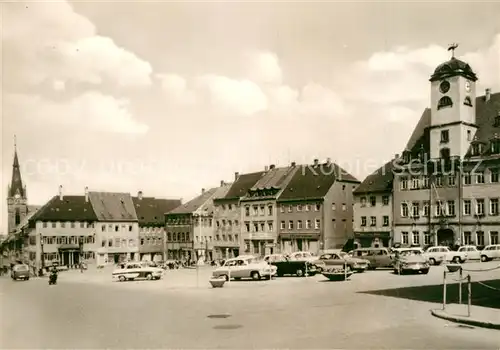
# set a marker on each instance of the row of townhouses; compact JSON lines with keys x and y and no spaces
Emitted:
{"x":444,"y":188}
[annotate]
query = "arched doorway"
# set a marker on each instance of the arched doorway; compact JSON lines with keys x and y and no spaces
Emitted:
{"x":445,"y":237}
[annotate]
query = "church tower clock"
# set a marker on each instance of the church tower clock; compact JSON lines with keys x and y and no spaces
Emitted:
{"x":453,"y":110}
{"x":17,"y":200}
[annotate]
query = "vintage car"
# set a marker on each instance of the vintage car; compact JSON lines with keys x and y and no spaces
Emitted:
{"x":287,"y":266}
{"x":377,"y":257}
{"x":490,"y":252}
{"x":302,"y":256}
{"x":335,"y":257}
{"x":410,"y":260}
{"x":245,"y":267}
{"x":20,"y":272}
{"x":472,"y":252}
{"x":439,"y":254}
{"x":134,"y":270}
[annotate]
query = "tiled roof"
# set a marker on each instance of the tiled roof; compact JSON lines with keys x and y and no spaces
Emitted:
{"x":486,"y":112}
{"x":69,"y":208}
{"x":310,"y":182}
{"x":241,"y":186}
{"x":151,"y":211}
{"x":24,"y":222}
{"x":195,"y":203}
{"x":274,"y":178}
{"x":110,"y":206}
{"x":380,"y":180}
{"x":208,"y":206}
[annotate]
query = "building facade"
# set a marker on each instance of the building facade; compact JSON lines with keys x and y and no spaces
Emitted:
{"x":151,"y":216}
{"x":227,"y":238}
{"x":259,"y":211}
{"x":315,"y":208}
{"x":373,"y":208}
{"x":446,"y":190}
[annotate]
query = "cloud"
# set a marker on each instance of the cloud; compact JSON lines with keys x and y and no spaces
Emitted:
{"x":175,"y":88}
{"x":91,"y":110}
{"x":264,"y":67}
{"x":50,"y":41}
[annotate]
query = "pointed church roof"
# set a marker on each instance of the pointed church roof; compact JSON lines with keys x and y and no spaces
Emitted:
{"x":16,"y":183}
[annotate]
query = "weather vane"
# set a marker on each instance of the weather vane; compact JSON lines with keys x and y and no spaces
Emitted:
{"x":15,"y":142}
{"x":452,"y":48}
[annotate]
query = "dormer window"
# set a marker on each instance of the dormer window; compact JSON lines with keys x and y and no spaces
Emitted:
{"x":496,"y":123}
{"x":495,"y":146}
{"x":444,"y":102}
{"x":445,"y":136}
{"x":445,"y":153}
{"x":468,"y":101}
{"x":477,"y":149}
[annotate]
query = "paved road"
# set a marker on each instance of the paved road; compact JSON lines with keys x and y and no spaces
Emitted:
{"x":296,"y":313}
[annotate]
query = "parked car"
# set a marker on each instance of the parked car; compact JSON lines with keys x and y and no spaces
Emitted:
{"x":490,"y":252}
{"x":303,"y":256}
{"x":410,"y":260}
{"x":377,"y":257}
{"x":338,"y":258}
{"x":246,"y":267}
{"x":440,"y":254}
{"x":134,"y":270}
{"x":471,"y":251}
{"x":287,"y":266}
{"x":20,"y":272}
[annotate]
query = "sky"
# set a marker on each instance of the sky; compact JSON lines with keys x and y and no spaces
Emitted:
{"x":171,"y":97}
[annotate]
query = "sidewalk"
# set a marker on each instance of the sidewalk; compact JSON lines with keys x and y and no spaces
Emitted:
{"x":484,"y":317}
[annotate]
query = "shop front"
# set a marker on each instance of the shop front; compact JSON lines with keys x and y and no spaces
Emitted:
{"x":372,"y":239}
{"x":290,"y":242}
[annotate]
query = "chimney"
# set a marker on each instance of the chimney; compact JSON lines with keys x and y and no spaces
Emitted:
{"x":266,"y":168}
{"x":294,"y":164}
{"x":202,"y":190}
{"x":222,"y":183}
{"x":139,"y":195}
{"x":272,"y":166}
{"x":236,"y":176}
{"x":60,"y":192}
{"x":328,"y":161}
{"x":316,"y":161}
{"x":487,"y":95}
{"x":86,"y":194}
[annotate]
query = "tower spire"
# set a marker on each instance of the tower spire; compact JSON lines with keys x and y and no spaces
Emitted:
{"x":16,"y":184}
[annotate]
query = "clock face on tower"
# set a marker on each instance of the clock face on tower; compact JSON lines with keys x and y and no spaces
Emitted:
{"x":444,"y":87}
{"x":467,"y":86}
{"x":17,"y":196}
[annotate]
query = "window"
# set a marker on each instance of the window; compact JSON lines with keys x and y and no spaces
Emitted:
{"x":404,"y":183}
{"x":494,"y":237}
{"x":439,"y":208}
{"x":373,"y":221}
{"x":363,"y":221}
{"x":362,"y":200}
{"x":385,"y":200}
{"x":247,"y":211}
{"x":317,"y":224}
{"x":467,"y":237}
{"x":308,"y":207}
{"x":290,"y":225}
{"x":450,"y":208}
{"x":479,"y":206}
{"x":308,"y":224}
{"x":290,"y":208}
{"x":262,"y":210}
{"x":404,"y":210}
{"x":477,"y":149}
{"x":451,"y":180}
{"x":444,"y":102}
{"x":334,"y":207}
{"x":439,"y":181}
{"x":262,"y":227}
{"x":467,"y":101}
{"x":480,"y":178}
{"x":255,"y":210}
{"x":269,"y":210}
{"x":493,"y":175}
{"x":469,"y":135}
{"x":415,"y":209}
{"x":480,"y":238}
{"x":247,"y":226}
{"x":255,"y":227}
{"x":404,"y":237}
{"x":386,"y":220}
{"x":344,"y":207}
{"x":282,"y":208}
{"x":373,"y":201}
{"x":299,"y":207}
{"x":415,"y":237}
{"x":426,"y":209}
{"x":493,"y":206}
{"x":63,"y":224}
{"x":445,"y":136}
{"x":54,"y":225}
{"x":217,"y":223}
{"x":427,"y":238}
{"x":299,"y":225}
{"x":425,"y":182}
{"x":282,"y":225}
{"x":495,"y":146}
{"x":445,"y":153}
{"x":467,"y":179}
{"x":317,"y":207}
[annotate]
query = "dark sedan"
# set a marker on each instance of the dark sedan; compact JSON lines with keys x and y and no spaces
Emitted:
{"x":20,"y":272}
{"x":286,"y":266}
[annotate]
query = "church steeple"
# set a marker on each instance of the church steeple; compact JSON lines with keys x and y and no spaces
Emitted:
{"x":16,"y":188}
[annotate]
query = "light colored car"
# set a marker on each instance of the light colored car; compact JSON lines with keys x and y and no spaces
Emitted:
{"x":471,"y":252}
{"x":20,"y":272}
{"x":302,"y":256}
{"x":410,"y":260}
{"x":378,"y":257}
{"x":334,"y":257}
{"x":440,"y":254}
{"x":245,"y":267}
{"x":134,"y":270}
{"x":490,"y":252}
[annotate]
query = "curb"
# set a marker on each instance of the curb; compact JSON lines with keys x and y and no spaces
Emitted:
{"x":464,"y":320}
